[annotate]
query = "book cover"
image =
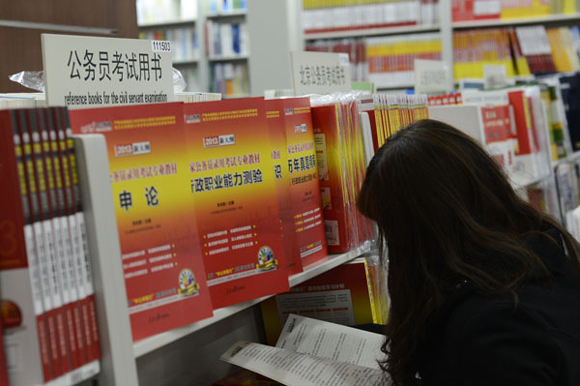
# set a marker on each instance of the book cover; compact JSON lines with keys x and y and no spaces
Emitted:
{"x":331,"y":172}
{"x":163,"y":269}
{"x":279,"y":154}
{"x":300,"y":173}
{"x":233,"y":187}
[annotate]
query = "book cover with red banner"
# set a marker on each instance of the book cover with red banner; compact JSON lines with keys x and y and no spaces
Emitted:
{"x":160,"y":249}
{"x":497,"y":127}
{"x":290,"y":123}
{"x":332,"y":174}
{"x":232,"y":185}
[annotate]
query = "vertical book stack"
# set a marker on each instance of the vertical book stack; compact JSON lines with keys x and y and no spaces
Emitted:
{"x":48,"y":308}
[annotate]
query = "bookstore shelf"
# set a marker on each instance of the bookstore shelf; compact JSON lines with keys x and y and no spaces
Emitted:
{"x":226,"y":58}
{"x":241,"y":12}
{"x":165,"y":24}
{"x":237,"y":96}
{"x":148,"y":345}
{"x":391,"y":87}
{"x":371,"y":32}
{"x":552,"y":19}
{"x":185,"y":62}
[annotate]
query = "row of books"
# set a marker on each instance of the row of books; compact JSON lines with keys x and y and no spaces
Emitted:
{"x":466,"y":10}
{"x":224,"y":6}
{"x":184,"y":41}
{"x":386,"y":61}
{"x":529,"y":130}
{"x":219,"y":202}
{"x":340,"y":152}
{"x":391,"y":60}
{"x":226,"y":39}
{"x":393,"y":112}
{"x":48,"y":308}
{"x":560,"y":97}
{"x":523,"y":51}
{"x":164,"y":11}
{"x":340,"y":15}
{"x":229,"y":79}
{"x":474,"y":49}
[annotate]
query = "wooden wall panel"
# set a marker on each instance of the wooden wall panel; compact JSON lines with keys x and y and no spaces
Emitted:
{"x":21,"y":49}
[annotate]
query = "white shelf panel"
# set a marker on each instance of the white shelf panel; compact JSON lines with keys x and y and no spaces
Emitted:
{"x":166,"y":24}
{"x":185,"y":62}
{"x":237,"y":12}
{"x":514,"y":22}
{"x":150,"y":344}
{"x":370,"y":32}
{"x":225,"y":58}
{"x":394,"y":86}
{"x":236,"y":96}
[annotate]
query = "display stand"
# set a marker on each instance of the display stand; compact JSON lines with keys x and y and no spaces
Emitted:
{"x":118,"y":362}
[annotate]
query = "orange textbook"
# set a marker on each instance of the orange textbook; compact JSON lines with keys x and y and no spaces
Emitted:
{"x":296,"y":175}
{"x":162,"y":263}
{"x":232,"y":185}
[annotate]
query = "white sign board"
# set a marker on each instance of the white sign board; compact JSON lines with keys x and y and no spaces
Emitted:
{"x":431,"y":76}
{"x":320,"y":72}
{"x":81,"y":72}
{"x":495,"y":76}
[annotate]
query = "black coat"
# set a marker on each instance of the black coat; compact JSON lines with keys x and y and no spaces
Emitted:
{"x":477,"y":340}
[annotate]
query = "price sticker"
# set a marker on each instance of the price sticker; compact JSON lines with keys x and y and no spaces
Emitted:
{"x":161,"y":46}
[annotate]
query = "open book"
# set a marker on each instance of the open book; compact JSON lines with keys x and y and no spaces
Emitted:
{"x":311,"y":352}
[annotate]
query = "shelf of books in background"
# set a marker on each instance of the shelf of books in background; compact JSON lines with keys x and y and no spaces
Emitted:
{"x":174,"y":21}
{"x":227,"y":48}
{"x":319,"y":16}
{"x":156,"y":12}
{"x":213,"y":8}
{"x":470,"y":10}
{"x":229,"y":79}
{"x":48,"y":307}
{"x":386,"y":61}
{"x":528,"y":134}
{"x":525,"y":51}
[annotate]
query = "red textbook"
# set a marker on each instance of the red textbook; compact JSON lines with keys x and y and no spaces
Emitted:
{"x":232,"y":185}
{"x":296,"y":174}
{"x":162,"y":263}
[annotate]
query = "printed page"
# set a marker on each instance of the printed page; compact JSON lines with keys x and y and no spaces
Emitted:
{"x":296,"y":369}
{"x":333,"y":341}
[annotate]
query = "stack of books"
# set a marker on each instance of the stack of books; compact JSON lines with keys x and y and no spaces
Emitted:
{"x":337,"y":15}
{"x":46,"y":285}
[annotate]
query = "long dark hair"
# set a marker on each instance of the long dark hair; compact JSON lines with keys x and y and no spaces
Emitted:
{"x":447,"y":213}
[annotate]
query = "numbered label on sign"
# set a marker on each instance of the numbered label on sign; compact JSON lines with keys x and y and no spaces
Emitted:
{"x":161,"y":46}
